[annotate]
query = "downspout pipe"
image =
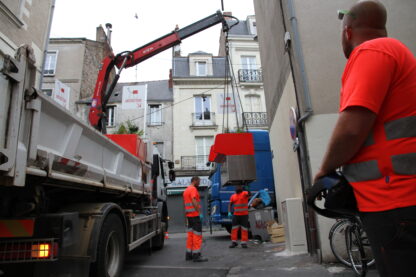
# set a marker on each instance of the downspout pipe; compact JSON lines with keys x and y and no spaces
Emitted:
{"x":301,"y":61}
{"x":45,"y":49}
{"x":310,"y":218}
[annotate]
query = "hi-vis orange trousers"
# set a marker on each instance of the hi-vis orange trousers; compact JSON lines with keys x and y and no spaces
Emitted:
{"x":194,"y":240}
{"x":240,"y":221}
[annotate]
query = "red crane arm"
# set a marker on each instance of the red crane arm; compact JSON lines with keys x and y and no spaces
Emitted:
{"x":131,"y":58}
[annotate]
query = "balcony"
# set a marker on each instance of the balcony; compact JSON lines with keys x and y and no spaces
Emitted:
{"x":255,"y":119}
{"x":205,"y":120}
{"x":154,"y":123}
{"x":250,"y":76}
{"x":194,"y":162}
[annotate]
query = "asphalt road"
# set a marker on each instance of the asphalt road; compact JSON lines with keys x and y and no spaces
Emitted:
{"x":260,"y":259}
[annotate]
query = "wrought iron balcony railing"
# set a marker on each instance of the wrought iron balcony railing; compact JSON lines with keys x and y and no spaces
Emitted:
{"x":250,"y":76}
{"x":198,"y":162}
{"x":255,"y":119}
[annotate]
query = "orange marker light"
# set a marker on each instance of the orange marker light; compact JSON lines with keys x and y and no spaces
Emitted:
{"x":41,"y":250}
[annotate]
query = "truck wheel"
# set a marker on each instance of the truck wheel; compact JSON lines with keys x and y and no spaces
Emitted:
{"x":159,"y":241}
{"x":111,"y":249}
{"x":228,"y":228}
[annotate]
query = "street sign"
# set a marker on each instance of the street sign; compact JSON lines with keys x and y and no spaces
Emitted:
{"x":227,"y":106}
{"x":293,"y":123}
{"x":134,"y":97}
{"x":61,"y":94}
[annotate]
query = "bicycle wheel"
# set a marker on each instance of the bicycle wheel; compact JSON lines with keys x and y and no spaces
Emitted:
{"x":337,"y":241}
{"x":367,"y":248}
{"x":355,"y":250}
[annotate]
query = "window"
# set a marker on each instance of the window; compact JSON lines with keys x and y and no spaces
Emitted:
{"x":50,"y":63}
{"x":155,"y":115}
{"x":249,"y":62}
{"x":47,"y":91}
{"x":111,"y":116}
{"x":252,"y":103}
{"x":201,"y":68}
{"x":202,"y":109}
{"x":203,"y":146}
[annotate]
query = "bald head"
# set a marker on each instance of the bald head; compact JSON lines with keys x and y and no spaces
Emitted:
{"x":366,"y":20}
{"x":368,"y":14}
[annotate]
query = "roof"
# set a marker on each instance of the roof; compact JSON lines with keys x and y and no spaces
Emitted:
{"x":200,"y":53}
{"x":156,"y":91}
{"x":241,"y":29}
{"x":181,"y":67}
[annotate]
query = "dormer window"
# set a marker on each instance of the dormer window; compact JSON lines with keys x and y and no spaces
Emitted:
{"x":201,"y":68}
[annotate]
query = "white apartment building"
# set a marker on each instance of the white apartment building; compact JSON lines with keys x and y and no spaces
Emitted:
{"x":246,"y":65}
{"x":205,"y":103}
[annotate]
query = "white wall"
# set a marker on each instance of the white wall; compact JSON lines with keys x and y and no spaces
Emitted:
{"x":285,"y":162}
{"x":318,"y":132}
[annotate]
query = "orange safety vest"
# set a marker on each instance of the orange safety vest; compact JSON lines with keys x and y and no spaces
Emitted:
{"x":240,"y":202}
{"x":383,"y":172}
{"x":190,"y":193}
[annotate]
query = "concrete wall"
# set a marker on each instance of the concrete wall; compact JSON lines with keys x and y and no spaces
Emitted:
{"x":93,"y":56}
{"x":25,"y":22}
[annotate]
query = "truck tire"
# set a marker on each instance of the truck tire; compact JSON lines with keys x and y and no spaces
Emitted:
{"x":111,"y":249}
{"x":228,"y":228}
{"x":159,"y":241}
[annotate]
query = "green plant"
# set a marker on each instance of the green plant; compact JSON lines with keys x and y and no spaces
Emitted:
{"x":128,"y":127}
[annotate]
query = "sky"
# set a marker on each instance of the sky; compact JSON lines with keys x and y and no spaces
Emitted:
{"x":155,"y":18}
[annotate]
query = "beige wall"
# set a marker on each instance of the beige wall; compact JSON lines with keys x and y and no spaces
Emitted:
{"x":27,"y":23}
{"x":285,"y":162}
{"x":69,"y":66}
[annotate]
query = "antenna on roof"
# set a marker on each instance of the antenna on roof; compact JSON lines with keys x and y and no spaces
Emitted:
{"x":222,"y":5}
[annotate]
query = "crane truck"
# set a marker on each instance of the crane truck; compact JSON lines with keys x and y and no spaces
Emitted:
{"x":73,"y":201}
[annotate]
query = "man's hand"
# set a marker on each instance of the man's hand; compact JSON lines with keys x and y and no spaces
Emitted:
{"x":318,"y":175}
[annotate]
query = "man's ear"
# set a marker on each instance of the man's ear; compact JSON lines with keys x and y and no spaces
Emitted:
{"x":348,"y":33}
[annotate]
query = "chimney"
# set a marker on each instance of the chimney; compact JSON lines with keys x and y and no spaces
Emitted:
{"x":170,"y":85}
{"x":100,"y":34}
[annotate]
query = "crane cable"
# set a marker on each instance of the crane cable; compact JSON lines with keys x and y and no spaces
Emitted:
{"x":234,"y":86}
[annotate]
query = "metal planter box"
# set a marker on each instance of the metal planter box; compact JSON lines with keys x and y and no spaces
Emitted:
{"x":238,"y":169}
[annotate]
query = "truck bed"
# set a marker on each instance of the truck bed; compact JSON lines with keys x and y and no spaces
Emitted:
{"x":40,"y":138}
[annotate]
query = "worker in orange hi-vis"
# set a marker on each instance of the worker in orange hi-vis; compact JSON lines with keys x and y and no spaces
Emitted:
{"x":193,"y":217}
{"x":239,"y":200}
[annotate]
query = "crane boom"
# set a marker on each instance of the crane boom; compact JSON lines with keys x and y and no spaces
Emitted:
{"x":128,"y":59}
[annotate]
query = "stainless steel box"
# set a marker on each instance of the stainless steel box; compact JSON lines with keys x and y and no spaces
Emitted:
{"x":238,"y":169}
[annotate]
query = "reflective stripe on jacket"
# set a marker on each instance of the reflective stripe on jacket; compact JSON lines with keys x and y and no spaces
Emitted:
{"x":240,"y":203}
{"x":191,"y":193}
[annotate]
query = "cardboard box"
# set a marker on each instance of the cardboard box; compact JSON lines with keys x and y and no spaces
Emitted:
{"x":276,"y":231}
{"x":278,"y":239}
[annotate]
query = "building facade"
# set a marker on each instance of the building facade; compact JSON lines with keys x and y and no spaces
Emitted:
{"x":244,"y":61}
{"x":214,"y":95}
{"x":154,"y":121}
{"x":75,"y":63}
{"x":303,"y":62}
{"x":199,"y":82}
{"x":25,"y":22}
